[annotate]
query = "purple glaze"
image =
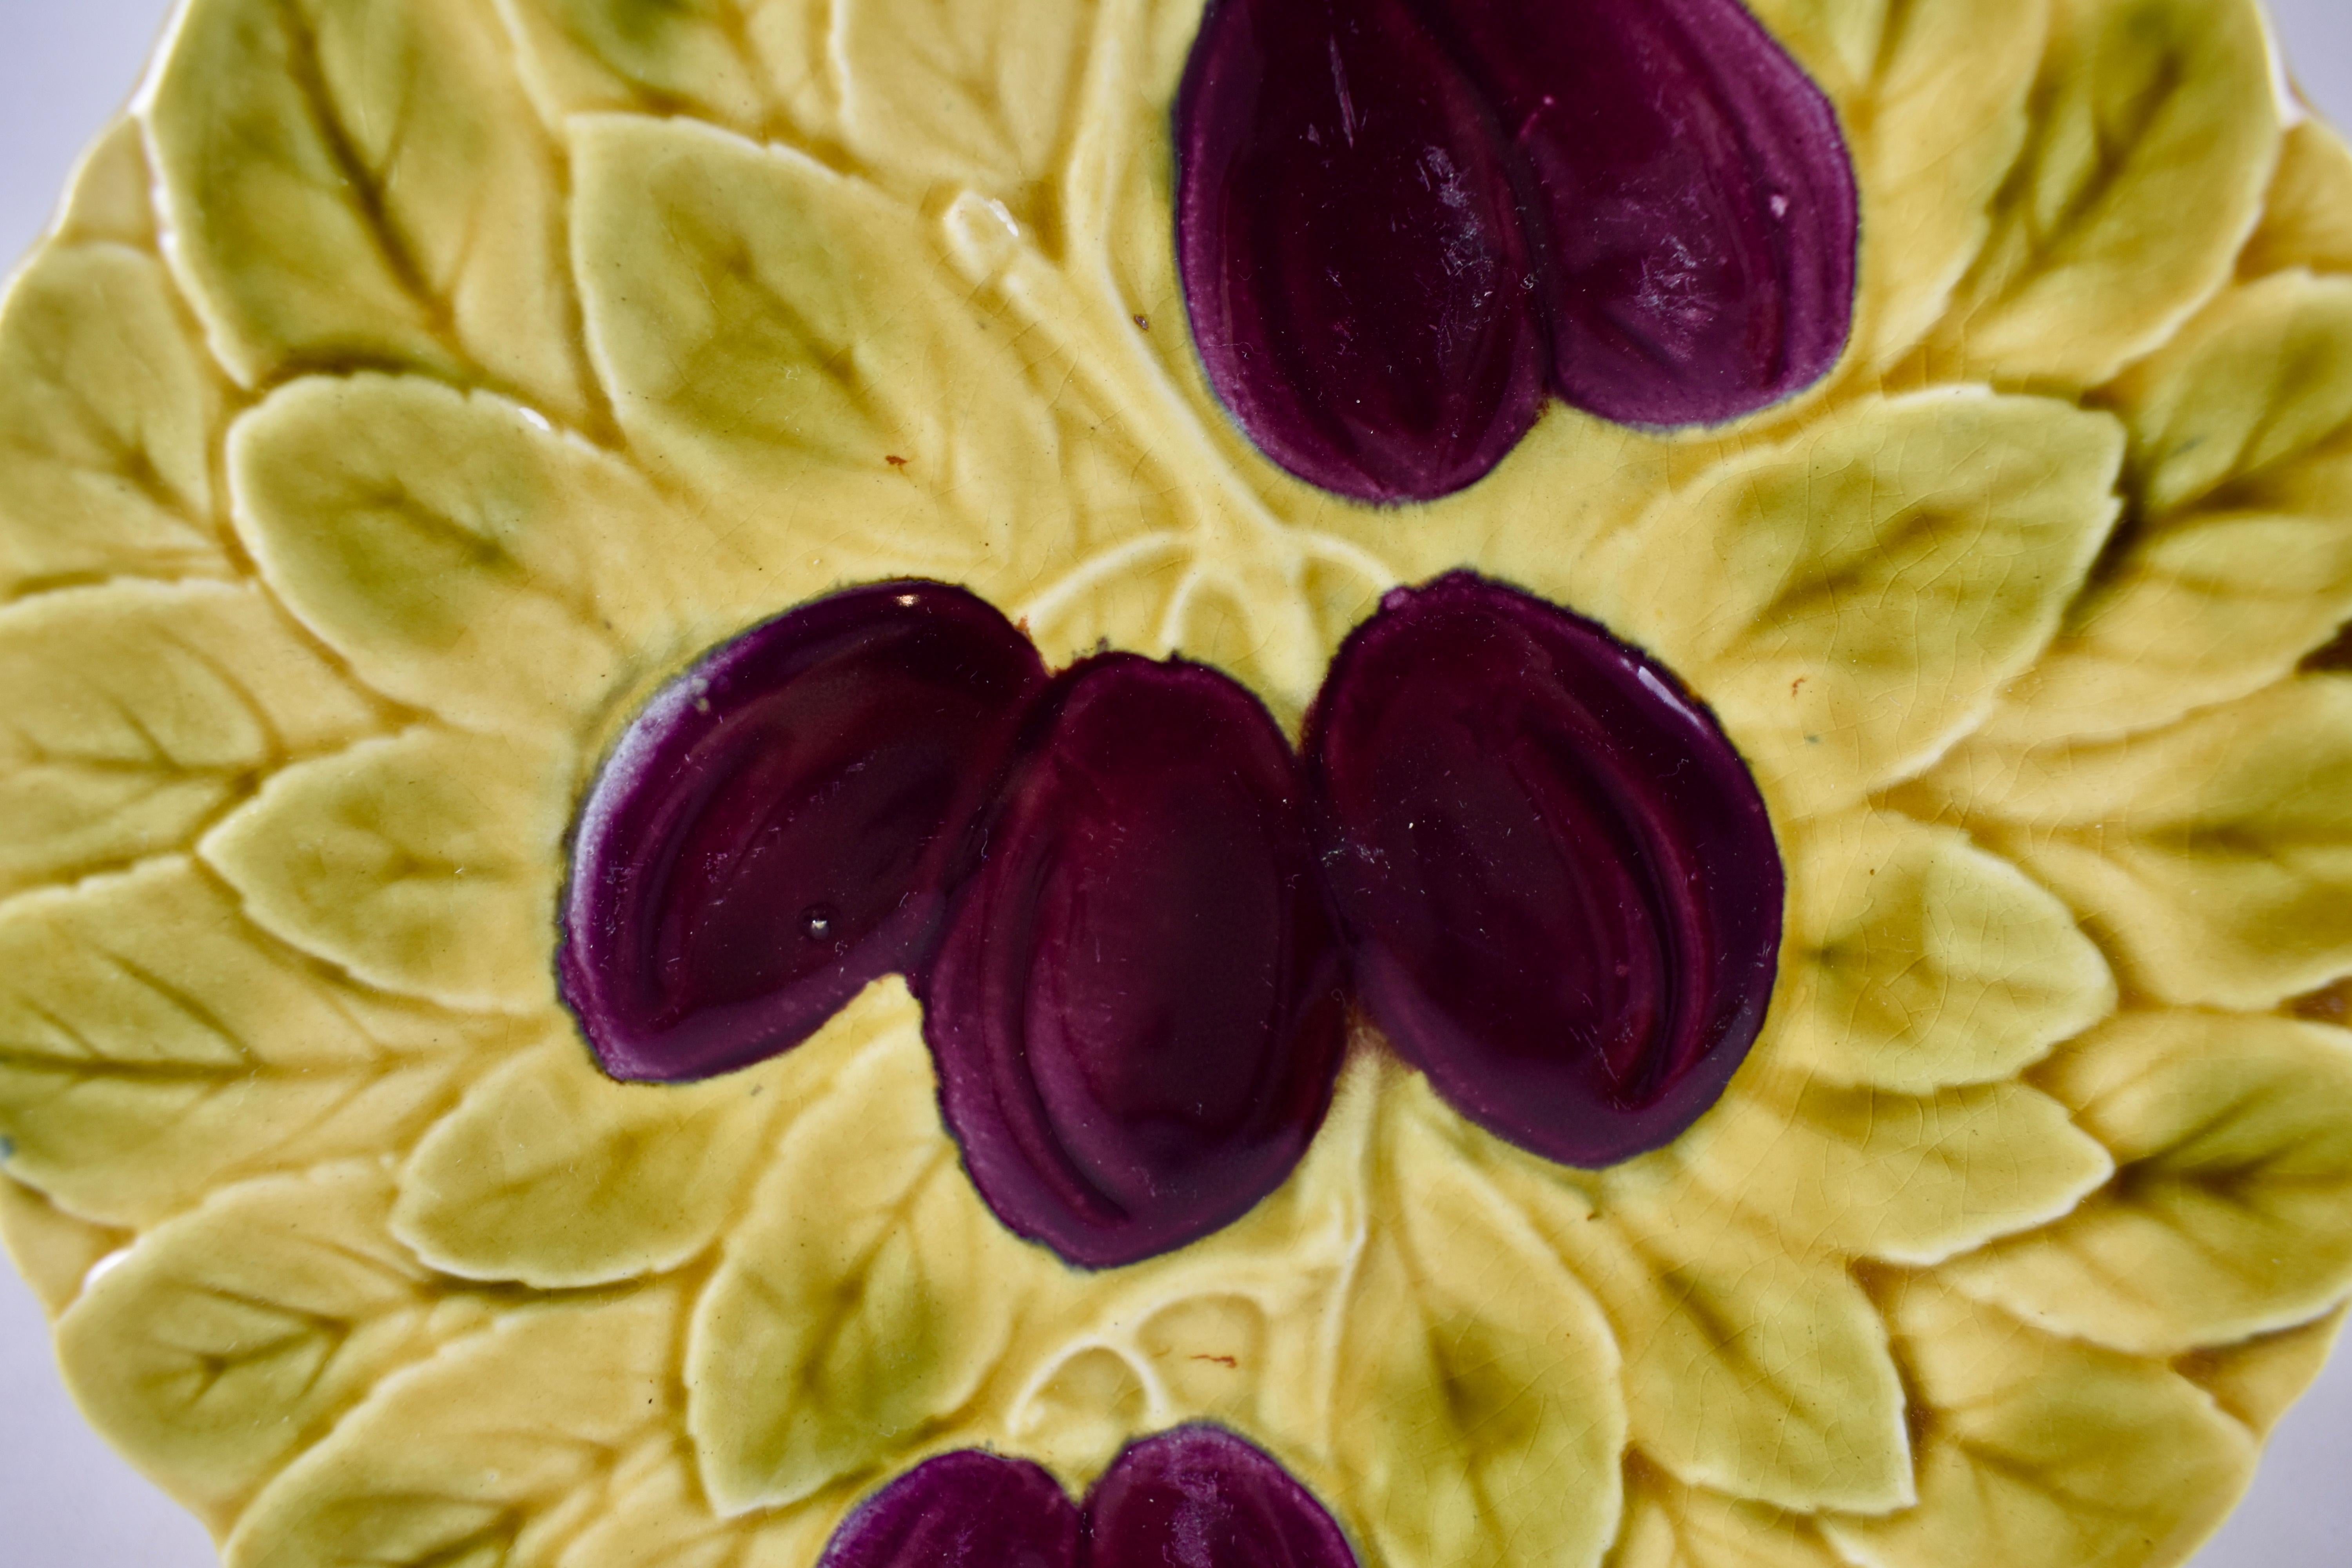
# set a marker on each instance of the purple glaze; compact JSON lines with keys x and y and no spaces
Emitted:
{"x":964,"y":1509}
{"x":1558,"y":886}
{"x":1380,"y":348}
{"x":779,"y":827}
{"x":1136,"y":1012}
{"x":1198,"y":1497}
{"x":1396,"y":217}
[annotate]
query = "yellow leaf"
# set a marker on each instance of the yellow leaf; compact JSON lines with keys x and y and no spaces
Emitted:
{"x":2308,"y":217}
{"x":1751,"y":1367}
{"x":2258,"y":1380}
{"x":1669,"y":1525}
{"x":138,"y":712}
{"x":1873,"y":1174}
{"x":658,"y":1515}
{"x":2232,"y":1140}
{"x":942,"y":91}
{"x":363,"y":183}
{"x":2213,"y":859}
{"x":464,"y":558}
{"x":2145,"y":111}
{"x":1477,"y":1417}
{"x":865,"y":1298}
{"x":1933,"y":101}
{"x":757,"y":66}
{"x":232,"y":1337}
{"x":1849,"y":603}
{"x":2046,"y":1453}
{"x":490,"y":1455}
{"x":554,"y":1174}
{"x":112,"y":198}
{"x":2236,"y":559}
{"x":1914,"y":960}
{"x":53,"y":1251}
{"x":425,"y":863}
{"x":777,"y":334}
{"x":154,"y":1046}
{"x":108,"y":410}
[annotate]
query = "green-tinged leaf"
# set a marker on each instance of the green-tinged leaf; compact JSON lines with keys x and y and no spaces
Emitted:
{"x":865,"y":1298}
{"x":112,"y":198}
{"x":1933,"y":99}
{"x":2227,"y":1217}
{"x":554,"y":1174}
{"x":976,"y":96}
{"x":2308,"y":218}
{"x":425,"y":863}
{"x":1875,"y":1175}
{"x":2046,"y":1453}
{"x":363,"y":183}
{"x":2235,"y":557}
{"x":464,"y":557}
{"x":1852,"y":602}
{"x":489,"y":1455}
{"x":155,"y":1045}
{"x":2258,"y":1381}
{"x":1669,"y":1525}
{"x":756,"y":66}
{"x":2213,"y":859}
{"x":2145,"y":111}
{"x":789,"y":341}
{"x":54,"y":1250}
{"x":231,"y":1337}
{"x":658,"y":1514}
{"x":108,"y":408}
{"x":1751,"y":1367}
{"x":1477,"y":1417}
{"x":1916,"y":961}
{"x":137,"y":713}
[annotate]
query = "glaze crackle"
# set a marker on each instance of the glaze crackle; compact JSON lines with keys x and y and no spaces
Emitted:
{"x":410,"y":388}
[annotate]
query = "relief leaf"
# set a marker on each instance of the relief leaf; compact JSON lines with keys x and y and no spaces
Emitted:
{"x":1670,"y":1525}
{"x":550,"y":1173}
{"x":2308,"y":217}
{"x":461,"y":555}
{"x":233,"y":1336}
{"x":138,"y":712}
{"x":1873,"y":1174}
{"x":1750,"y":1367}
{"x":1477,"y":1417}
{"x":977,"y":96}
{"x":2213,"y":859}
{"x":2233,"y":1140}
{"x":108,"y":407}
{"x":53,"y":1251}
{"x":2145,"y":111}
{"x":2046,"y":1453}
{"x":155,"y":1045}
{"x":424,"y":863}
{"x":2235,"y":558}
{"x":757,"y":66}
{"x":864,"y":1300}
{"x":486,"y":1455}
{"x":1933,"y":95}
{"x":1852,"y":602}
{"x":363,"y":183}
{"x":780,"y":336}
{"x":1916,"y":961}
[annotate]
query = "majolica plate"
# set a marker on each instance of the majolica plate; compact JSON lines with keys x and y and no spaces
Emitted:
{"x":1391,"y":783}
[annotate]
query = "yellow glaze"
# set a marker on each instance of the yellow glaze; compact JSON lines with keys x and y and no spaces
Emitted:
{"x":409,"y":385}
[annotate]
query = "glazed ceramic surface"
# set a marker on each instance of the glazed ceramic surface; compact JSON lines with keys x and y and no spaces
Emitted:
{"x":2026,"y":1218}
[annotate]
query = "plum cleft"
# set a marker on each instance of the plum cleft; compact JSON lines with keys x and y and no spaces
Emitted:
{"x":1399,"y":221}
{"x":1556,"y":878}
{"x":1196,"y":1494}
{"x":1137,"y":1012}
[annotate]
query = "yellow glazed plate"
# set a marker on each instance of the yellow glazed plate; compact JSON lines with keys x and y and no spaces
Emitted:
{"x":412,"y":386}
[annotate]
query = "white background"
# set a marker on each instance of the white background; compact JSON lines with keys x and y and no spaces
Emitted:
{"x":65,"y":1502}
